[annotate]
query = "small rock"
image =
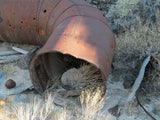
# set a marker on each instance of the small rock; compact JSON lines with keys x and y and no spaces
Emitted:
{"x":10,"y":84}
{"x":114,"y":111}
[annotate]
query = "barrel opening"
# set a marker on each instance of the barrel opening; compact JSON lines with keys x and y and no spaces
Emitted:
{"x":63,"y":71}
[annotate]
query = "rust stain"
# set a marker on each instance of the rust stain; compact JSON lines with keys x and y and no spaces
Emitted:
{"x":112,"y":46}
{"x":41,"y":32}
{"x":61,"y":7}
{"x":27,"y":25}
{"x":48,"y":8}
{"x":44,"y":21}
{"x":13,"y":11}
{"x":43,"y":25}
{"x":74,"y":10}
{"x":9,"y":25}
{"x":48,"y":30}
{"x":14,"y":27}
{"x":108,"y":62}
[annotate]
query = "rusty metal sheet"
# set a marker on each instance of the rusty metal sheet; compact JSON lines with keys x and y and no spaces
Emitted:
{"x":71,"y":28}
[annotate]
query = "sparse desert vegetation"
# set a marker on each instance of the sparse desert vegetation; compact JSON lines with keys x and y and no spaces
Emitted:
{"x":132,"y":46}
{"x":38,"y":109}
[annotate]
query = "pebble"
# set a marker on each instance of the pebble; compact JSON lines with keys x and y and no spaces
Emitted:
{"x":114,"y":111}
{"x":10,"y":84}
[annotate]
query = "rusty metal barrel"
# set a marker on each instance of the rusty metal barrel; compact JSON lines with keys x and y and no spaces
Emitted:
{"x":71,"y":32}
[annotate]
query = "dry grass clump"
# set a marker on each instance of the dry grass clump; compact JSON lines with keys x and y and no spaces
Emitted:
{"x":138,"y":41}
{"x":91,"y":104}
{"x":76,"y":80}
{"x":40,"y":110}
{"x":85,"y":77}
{"x":132,"y":47}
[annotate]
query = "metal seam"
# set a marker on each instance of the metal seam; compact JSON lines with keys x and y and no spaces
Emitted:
{"x":37,"y":17}
{"x":85,"y":16}
{"x":69,"y":8}
{"x":51,"y":14}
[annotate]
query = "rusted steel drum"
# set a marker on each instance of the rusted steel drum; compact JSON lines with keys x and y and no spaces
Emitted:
{"x":72,"y":32}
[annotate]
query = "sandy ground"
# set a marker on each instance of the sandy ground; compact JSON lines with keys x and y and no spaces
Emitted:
{"x":115,"y":94}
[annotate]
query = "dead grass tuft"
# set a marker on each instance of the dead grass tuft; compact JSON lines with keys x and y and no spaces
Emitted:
{"x":138,"y":41}
{"x":91,"y":104}
{"x":132,"y":47}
